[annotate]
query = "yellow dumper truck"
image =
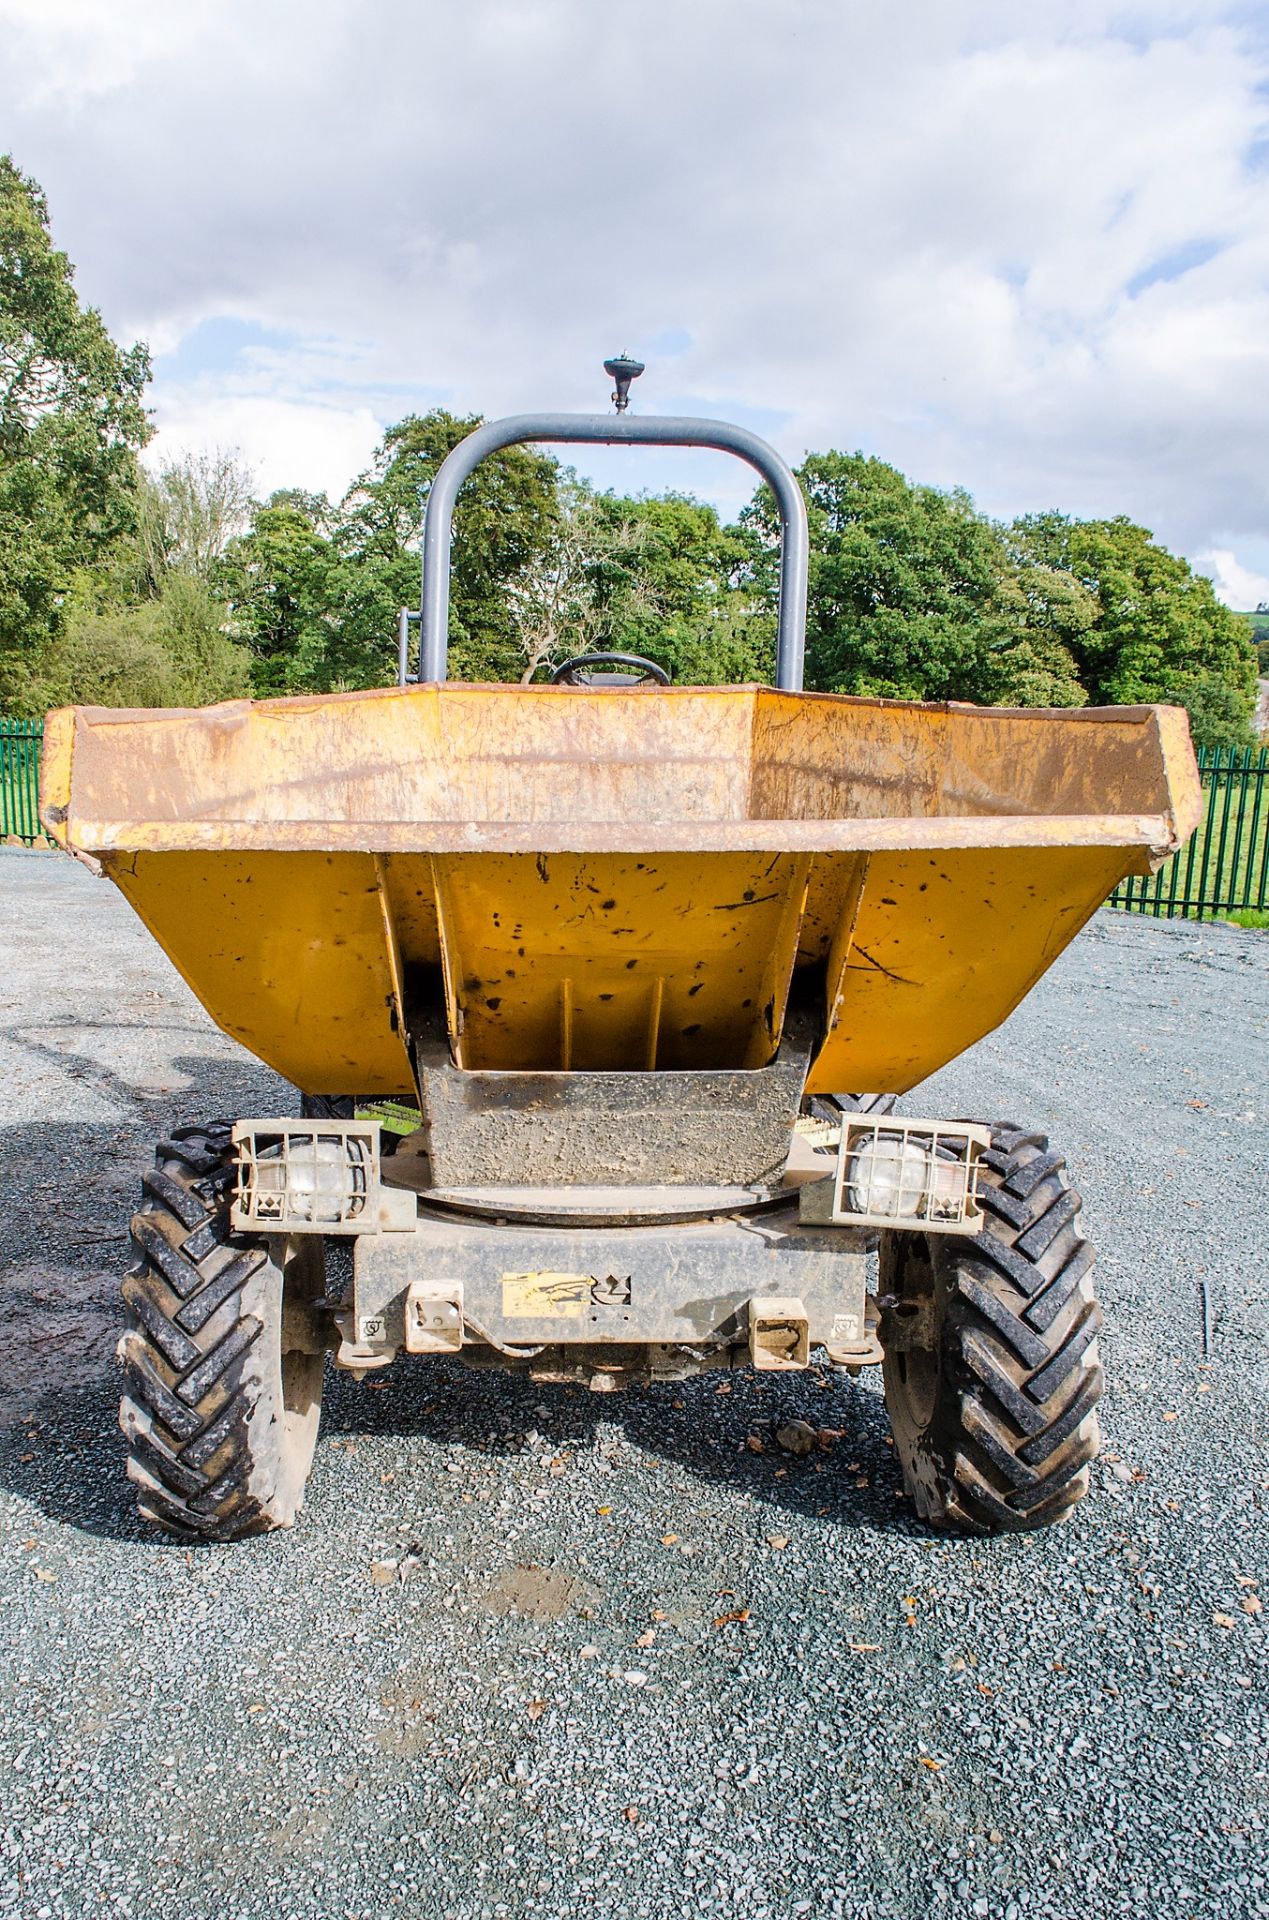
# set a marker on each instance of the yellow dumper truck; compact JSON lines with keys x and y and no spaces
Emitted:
{"x":618,"y":945}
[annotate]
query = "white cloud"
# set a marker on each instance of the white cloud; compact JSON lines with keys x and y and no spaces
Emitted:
{"x":910,"y":229}
{"x":285,"y":443}
{"x":1238,"y":586}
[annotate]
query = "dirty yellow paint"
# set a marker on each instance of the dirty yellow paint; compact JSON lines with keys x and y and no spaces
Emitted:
{"x":604,"y":961}
{"x":940,"y":950}
{"x":288,"y":954}
{"x":600,"y":880}
{"x":545,"y":1296}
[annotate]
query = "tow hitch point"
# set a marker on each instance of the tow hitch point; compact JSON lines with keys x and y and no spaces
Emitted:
{"x":779,"y":1335}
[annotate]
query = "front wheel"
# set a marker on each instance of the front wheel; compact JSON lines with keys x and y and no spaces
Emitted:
{"x":991,"y":1370}
{"x":223,"y":1359}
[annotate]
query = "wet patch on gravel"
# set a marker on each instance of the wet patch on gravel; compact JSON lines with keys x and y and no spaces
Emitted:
{"x":57,"y":1324}
{"x":532,"y":1650}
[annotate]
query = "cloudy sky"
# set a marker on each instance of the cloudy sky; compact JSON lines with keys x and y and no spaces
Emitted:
{"x":1019,"y":248}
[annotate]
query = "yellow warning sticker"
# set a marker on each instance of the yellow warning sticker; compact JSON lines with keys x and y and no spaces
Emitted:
{"x":545,"y":1296}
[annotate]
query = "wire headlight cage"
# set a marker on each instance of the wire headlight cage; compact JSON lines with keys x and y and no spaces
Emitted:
{"x":297,"y":1176}
{"x":909,"y":1173}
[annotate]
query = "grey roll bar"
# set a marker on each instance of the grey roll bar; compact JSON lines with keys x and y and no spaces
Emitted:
{"x":605,"y":429}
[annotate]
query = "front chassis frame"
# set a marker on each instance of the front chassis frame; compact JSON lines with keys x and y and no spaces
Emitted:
{"x":613,"y":1303}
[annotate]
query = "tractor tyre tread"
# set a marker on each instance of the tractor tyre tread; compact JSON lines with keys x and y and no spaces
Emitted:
{"x":215,"y":1447}
{"x":1013,"y":1427}
{"x":864,"y":1104}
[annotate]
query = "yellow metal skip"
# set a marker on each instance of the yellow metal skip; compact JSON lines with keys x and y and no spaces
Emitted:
{"x":597,"y":961}
{"x":590,"y":880}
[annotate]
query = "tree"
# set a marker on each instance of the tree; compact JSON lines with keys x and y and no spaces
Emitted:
{"x":1038,"y":616}
{"x":913,"y":594}
{"x":556,"y":607}
{"x":192,"y":510}
{"x":168,"y":650}
{"x":1258,"y":624}
{"x":277,"y":578}
{"x":72,"y":419}
{"x":640,"y":575}
{"x":1160,"y":633}
{"x":505,"y":516}
{"x":680,"y":591}
{"x":147,"y":625}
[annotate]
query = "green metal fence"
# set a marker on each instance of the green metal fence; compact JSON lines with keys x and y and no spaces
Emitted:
{"x":20,"y":780}
{"x":1225,"y":867}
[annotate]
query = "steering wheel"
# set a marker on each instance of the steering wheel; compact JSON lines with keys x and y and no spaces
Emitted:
{"x":576,"y":673}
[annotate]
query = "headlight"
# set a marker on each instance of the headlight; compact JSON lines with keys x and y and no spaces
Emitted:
{"x":293,"y":1177}
{"x":905,"y":1173}
{"x":313,"y":1177}
{"x":888,"y":1175}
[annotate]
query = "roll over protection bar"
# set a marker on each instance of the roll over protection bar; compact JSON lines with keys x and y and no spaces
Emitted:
{"x":609,"y":430}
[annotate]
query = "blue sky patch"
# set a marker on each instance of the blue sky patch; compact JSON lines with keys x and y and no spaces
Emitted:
{"x":1174,"y":265}
{"x":216,"y":344}
{"x":668,"y":344}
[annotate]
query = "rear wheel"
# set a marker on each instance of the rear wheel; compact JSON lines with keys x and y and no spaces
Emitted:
{"x":864,"y":1104}
{"x":991,"y":1370}
{"x":223,"y":1360}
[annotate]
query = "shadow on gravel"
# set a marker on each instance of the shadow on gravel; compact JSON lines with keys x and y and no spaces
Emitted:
{"x":853,"y":1478}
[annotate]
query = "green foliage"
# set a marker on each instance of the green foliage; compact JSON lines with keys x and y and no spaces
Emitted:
{"x":278,"y":580}
{"x":639,"y":575}
{"x":679,"y":598}
{"x":146,"y":626}
{"x":315,"y":590}
{"x":1258,"y":627}
{"x":1219,"y":713}
{"x":71,"y":422}
{"x":1160,"y":633}
{"x":504,"y":517}
{"x":190,"y":513}
{"x":170,"y":650}
{"x":914,"y":596}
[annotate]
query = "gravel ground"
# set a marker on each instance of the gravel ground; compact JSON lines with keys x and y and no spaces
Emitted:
{"x":625,"y":1664}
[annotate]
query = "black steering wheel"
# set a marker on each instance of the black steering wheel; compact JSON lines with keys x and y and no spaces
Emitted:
{"x":576,"y":673}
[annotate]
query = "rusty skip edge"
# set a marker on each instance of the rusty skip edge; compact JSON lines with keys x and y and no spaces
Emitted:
{"x":1147,"y":838}
{"x":1156,"y":834}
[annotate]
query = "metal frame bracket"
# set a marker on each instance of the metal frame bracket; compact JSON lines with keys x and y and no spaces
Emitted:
{"x":779,"y":1334}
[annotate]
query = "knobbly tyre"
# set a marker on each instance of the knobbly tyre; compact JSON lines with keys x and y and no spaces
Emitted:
{"x":612,"y":946}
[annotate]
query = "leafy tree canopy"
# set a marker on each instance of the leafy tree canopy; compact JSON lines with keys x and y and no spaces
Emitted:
{"x":1160,"y":633}
{"x":504,"y":516}
{"x":278,"y":578}
{"x":71,"y":421}
{"x":912,"y":594}
{"x":652,"y":576}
